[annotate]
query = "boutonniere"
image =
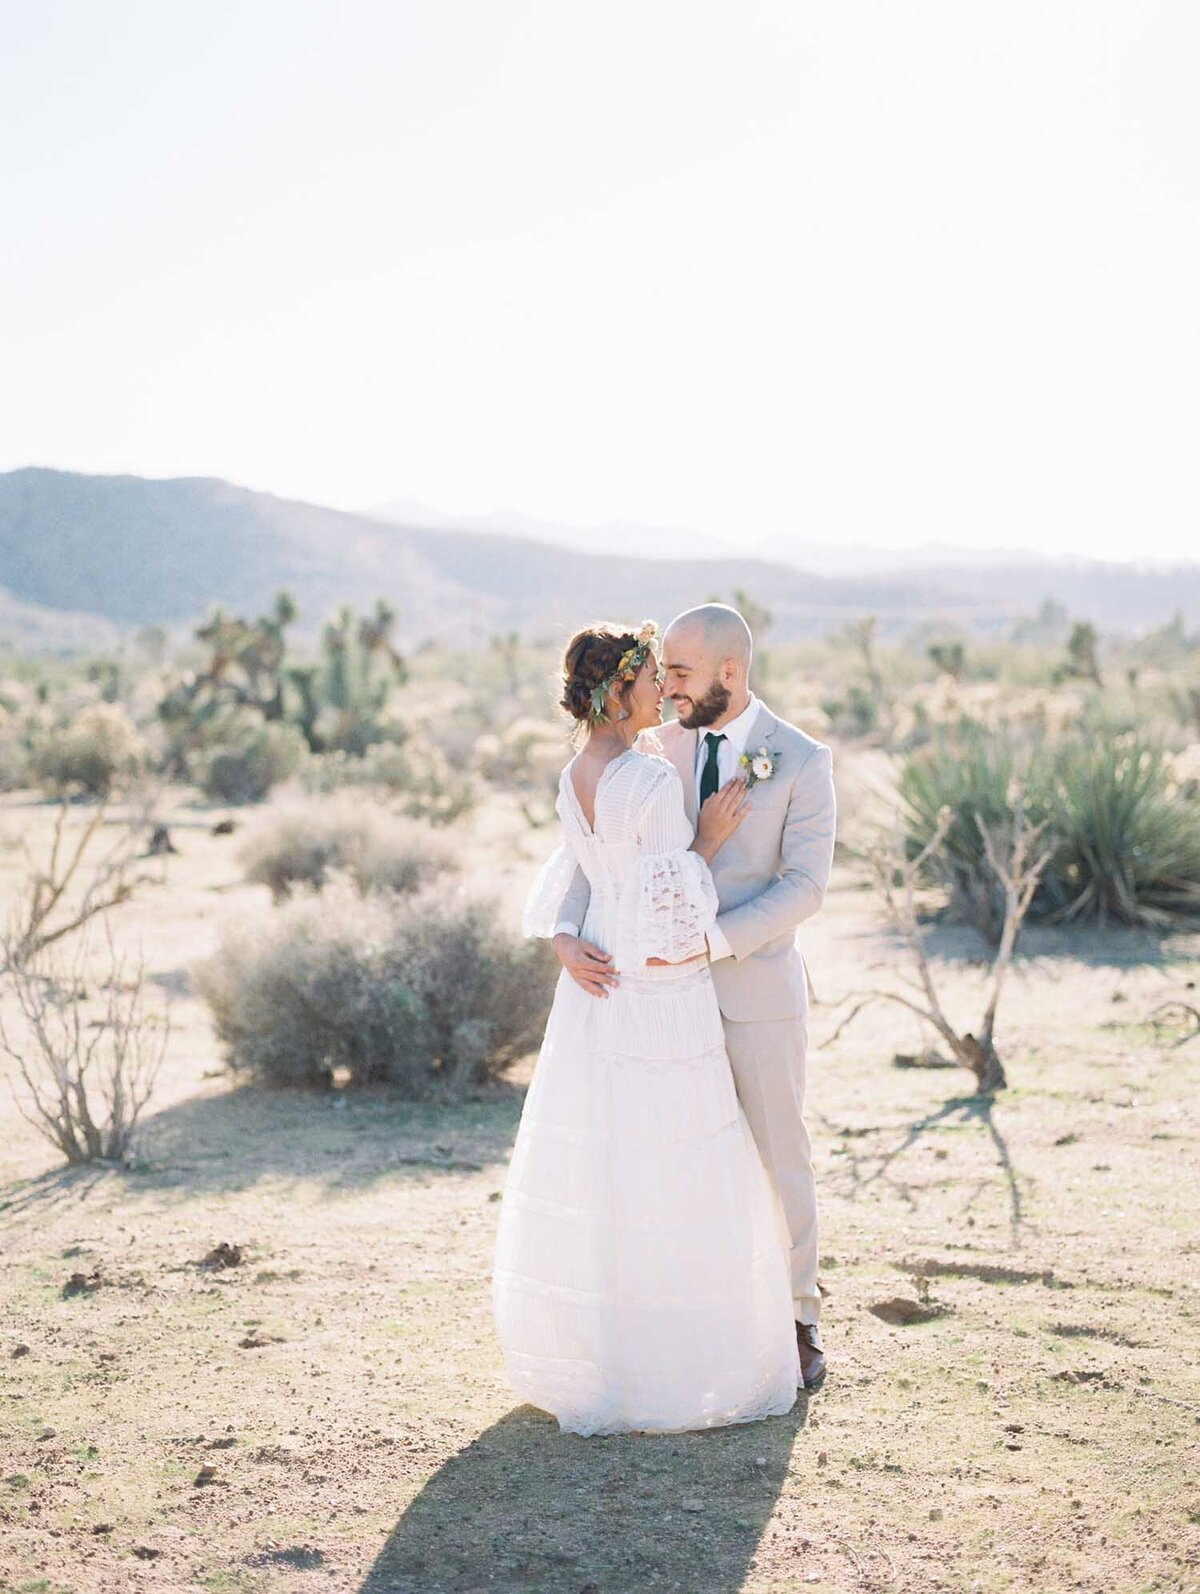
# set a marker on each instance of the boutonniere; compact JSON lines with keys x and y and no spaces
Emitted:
{"x":759,"y":766}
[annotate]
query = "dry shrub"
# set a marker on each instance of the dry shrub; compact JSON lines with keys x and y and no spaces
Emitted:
{"x":87,"y":1075}
{"x":95,"y":751}
{"x":427,"y":993}
{"x":526,"y":758}
{"x":416,"y":771}
{"x":380,"y":851}
{"x":244,"y":769}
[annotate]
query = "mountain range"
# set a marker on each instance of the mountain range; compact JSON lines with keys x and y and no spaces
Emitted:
{"x":86,"y":554}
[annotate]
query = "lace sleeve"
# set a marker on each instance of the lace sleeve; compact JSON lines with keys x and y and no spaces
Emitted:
{"x":554,"y":880}
{"x":677,"y":900}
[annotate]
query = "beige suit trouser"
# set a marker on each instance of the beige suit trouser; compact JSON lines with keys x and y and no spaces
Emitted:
{"x":768,"y":1061}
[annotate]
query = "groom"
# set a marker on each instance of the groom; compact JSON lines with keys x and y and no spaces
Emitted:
{"x":770,"y":876}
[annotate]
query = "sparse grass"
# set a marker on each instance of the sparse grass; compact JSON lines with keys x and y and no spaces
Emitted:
{"x":378,"y":1433}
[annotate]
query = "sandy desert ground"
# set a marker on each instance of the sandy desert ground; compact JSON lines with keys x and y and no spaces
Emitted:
{"x":330,"y":1413}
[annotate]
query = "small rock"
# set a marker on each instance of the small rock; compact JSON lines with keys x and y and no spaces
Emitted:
{"x":20,"y":1350}
{"x":83,"y":1283}
{"x":48,"y":1433}
{"x":224,"y":827}
{"x":691,"y":1505}
{"x":822,"y":1458}
{"x":205,"y":1475}
{"x":146,"y":1552}
{"x":935,"y":1514}
{"x":102,"y":1527}
{"x":900,"y":1310}
{"x":223,"y":1255}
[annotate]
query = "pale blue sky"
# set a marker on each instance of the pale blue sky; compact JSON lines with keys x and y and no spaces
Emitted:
{"x":865,"y":271}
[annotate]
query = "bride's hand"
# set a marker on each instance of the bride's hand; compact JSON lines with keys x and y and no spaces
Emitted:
{"x":720,"y":815}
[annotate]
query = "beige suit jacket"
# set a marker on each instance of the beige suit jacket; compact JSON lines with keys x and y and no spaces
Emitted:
{"x":770,"y":875}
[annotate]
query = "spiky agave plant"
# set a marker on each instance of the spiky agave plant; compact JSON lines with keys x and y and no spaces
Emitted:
{"x":972,"y":770}
{"x":1127,"y":841}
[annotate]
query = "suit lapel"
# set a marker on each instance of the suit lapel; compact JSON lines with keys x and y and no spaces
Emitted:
{"x":682,"y":753}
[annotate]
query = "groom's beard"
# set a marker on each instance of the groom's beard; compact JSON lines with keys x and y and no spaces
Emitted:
{"x":704,"y":710}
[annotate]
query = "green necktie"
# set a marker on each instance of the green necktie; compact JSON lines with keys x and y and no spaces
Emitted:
{"x":708,"y":780}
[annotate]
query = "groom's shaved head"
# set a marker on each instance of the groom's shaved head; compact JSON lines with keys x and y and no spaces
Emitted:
{"x":706,"y":657}
{"x":720,"y":631}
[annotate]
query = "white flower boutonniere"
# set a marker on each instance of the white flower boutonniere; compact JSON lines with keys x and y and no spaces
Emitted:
{"x":758,"y":766}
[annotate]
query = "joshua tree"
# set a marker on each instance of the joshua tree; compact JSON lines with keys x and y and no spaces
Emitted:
{"x":1081,"y":653}
{"x":508,"y":647}
{"x":948,"y":658}
{"x":244,"y":670}
{"x":350,"y":689}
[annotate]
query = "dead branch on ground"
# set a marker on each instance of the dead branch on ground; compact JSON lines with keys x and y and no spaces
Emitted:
{"x":1018,"y":871}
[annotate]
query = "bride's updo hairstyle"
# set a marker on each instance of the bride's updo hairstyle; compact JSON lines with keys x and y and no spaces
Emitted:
{"x":591,"y":657}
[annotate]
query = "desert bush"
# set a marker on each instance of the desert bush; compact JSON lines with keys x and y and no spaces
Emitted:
{"x":526,"y":759}
{"x":1124,"y":835}
{"x":378,"y":850}
{"x":416,"y":772}
{"x":15,"y":754}
{"x":426,"y":993}
{"x":92,"y":754}
{"x":258,"y":756}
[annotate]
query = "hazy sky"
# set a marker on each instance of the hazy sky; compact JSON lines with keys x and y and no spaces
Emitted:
{"x":870,"y":270}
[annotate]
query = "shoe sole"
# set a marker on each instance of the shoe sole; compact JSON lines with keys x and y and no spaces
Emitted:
{"x":812,"y":1388}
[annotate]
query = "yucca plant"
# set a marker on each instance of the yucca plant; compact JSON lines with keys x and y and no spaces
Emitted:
{"x":1127,"y":841}
{"x":972,"y":771}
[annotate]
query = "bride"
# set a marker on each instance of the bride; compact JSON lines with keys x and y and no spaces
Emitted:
{"x":640,"y":1278}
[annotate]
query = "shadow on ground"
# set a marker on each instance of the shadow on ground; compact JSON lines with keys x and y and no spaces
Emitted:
{"x":864,"y":1165}
{"x":1115,"y":946}
{"x":231,"y":1139}
{"x":526,"y":1506}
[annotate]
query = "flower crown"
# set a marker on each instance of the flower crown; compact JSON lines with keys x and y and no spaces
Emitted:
{"x":628,"y":665}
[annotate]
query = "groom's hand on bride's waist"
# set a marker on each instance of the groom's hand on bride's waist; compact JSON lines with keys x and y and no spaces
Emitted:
{"x":586,"y":964}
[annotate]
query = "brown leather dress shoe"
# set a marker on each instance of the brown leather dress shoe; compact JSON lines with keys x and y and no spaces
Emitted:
{"x":812,"y":1357}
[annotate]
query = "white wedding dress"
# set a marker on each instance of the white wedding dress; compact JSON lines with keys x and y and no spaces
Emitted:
{"x":640,"y":1279}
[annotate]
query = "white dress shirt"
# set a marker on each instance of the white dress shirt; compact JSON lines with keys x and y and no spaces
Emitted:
{"x":736,"y":735}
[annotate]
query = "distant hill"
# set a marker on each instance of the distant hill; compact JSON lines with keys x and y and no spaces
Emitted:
{"x":136,"y":551}
{"x":33,"y":628}
{"x":623,"y":538}
{"x":1118,"y":596}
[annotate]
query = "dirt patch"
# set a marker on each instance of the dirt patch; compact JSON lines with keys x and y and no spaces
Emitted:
{"x":365,"y":1440}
